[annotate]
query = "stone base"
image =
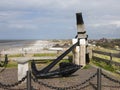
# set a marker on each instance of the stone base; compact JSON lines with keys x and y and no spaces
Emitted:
{"x":22,"y":68}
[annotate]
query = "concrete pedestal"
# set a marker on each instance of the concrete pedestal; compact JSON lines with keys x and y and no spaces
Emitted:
{"x":82,"y":43}
{"x":22,"y":68}
{"x":75,"y":52}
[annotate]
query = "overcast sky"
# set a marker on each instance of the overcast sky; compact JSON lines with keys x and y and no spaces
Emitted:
{"x":56,"y":19}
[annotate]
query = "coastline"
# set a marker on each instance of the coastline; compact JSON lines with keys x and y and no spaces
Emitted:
{"x":27,"y":46}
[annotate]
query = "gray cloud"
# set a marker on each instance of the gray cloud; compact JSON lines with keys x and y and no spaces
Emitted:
{"x":42,"y":15}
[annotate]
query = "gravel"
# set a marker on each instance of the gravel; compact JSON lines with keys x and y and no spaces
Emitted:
{"x":9,"y":76}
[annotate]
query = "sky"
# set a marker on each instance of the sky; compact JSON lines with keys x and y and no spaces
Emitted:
{"x":56,"y":19}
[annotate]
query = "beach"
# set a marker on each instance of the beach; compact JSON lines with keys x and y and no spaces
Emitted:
{"x":29,"y":46}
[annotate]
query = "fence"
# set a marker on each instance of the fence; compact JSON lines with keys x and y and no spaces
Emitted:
{"x":98,"y":75}
{"x":111,"y":55}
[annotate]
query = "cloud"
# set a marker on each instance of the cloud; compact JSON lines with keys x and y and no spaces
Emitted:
{"x":117,"y":23}
{"x":114,"y":23}
{"x":22,"y":26}
{"x":56,"y":15}
{"x":58,"y":4}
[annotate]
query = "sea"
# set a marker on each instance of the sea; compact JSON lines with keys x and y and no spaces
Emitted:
{"x":6,"y":44}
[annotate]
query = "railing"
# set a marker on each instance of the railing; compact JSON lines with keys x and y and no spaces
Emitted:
{"x":108,"y":61}
{"x":98,"y":75}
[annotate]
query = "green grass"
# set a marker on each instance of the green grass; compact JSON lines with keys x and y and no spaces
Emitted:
{"x":107,"y":57}
{"x":12,"y":64}
{"x":87,"y":66}
{"x":106,"y":50}
{"x":105,"y":66}
{"x":65,"y":60}
{"x":15,"y":55}
{"x":44,"y":54}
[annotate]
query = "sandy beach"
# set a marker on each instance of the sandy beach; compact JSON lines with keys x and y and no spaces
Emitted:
{"x":24,"y":46}
{"x":29,"y":46}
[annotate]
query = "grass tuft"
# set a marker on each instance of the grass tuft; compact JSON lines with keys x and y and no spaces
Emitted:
{"x":44,"y":54}
{"x":104,"y":65}
{"x":87,"y":66}
{"x":12,"y":64}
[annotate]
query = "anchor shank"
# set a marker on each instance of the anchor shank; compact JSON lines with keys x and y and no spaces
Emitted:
{"x":52,"y":64}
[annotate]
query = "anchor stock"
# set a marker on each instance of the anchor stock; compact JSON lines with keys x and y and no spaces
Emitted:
{"x":65,"y":69}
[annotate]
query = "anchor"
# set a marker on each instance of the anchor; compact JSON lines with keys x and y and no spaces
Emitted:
{"x":65,"y":69}
{"x":3,"y":64}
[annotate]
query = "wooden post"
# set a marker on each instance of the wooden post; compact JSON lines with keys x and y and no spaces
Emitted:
{"x":92,"y":53}
{"x":110,"y":56}
{"x":29,"y":80}
{"x":110,"y":62}
{"x":76,"y":53}
{"x":99,"y":71}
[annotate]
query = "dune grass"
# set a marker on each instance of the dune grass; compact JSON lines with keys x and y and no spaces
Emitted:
{"x":16,"y":55}
{"x":12,"y":64}
{"x":44,"y":54}
{"x":105,"y":66}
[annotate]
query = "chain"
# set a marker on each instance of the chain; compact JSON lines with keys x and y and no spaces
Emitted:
{"x":13,"y":85}
{"x":81,"y":88}
{"x":3,"y":68}
{"x":116,"y":81}
{"x":108,"y":86}
{"x":84,"y":86}
{"x":111,"y":86}
{"x":64,"y":88}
